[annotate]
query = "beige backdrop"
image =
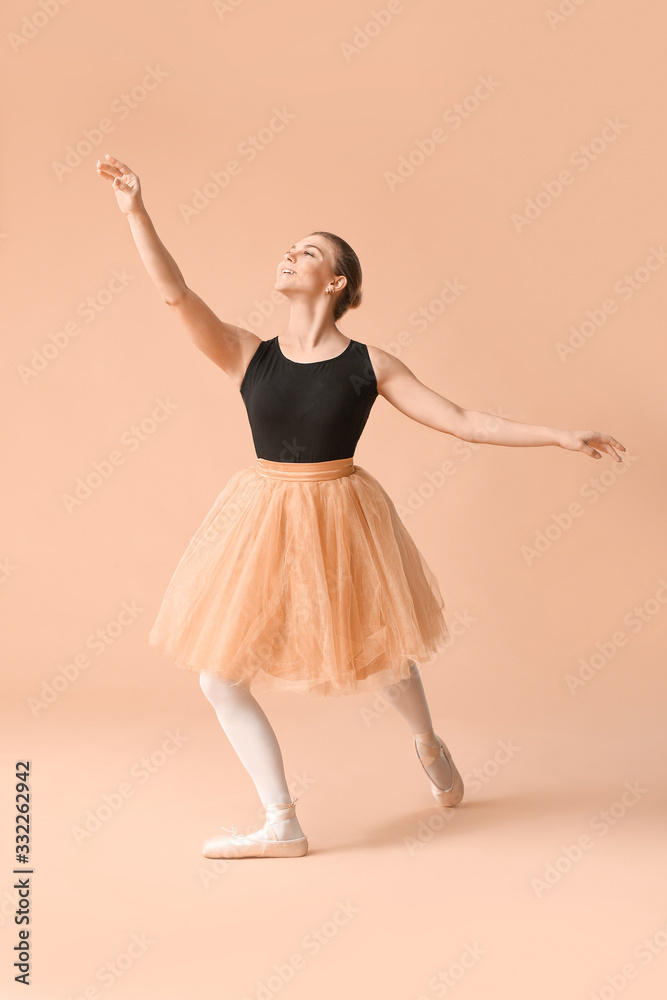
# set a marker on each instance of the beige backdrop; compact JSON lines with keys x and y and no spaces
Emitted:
{"x":499,"y":169}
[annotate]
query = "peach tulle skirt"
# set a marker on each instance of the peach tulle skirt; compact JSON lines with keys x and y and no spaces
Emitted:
{"x":302,"y":577}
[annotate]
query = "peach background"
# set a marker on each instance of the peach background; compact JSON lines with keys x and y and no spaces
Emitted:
{"x":468,"y":884}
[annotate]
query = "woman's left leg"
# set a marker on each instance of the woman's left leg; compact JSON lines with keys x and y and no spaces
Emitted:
{"x":409,"y":699}
{"x":250,"y":733}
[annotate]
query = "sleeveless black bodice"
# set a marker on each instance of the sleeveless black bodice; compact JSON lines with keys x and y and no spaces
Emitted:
{"x":311,"y":411}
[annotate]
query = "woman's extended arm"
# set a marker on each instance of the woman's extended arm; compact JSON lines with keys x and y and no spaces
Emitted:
{"x":403,"y":390}
{"x":230,"y":347}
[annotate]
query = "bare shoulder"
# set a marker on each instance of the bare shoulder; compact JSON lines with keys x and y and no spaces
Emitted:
{"x":229,"y":346}
{"x":404,"y":390}
{"x":386,"y":366}
{"x":248,"y":344}
{"x":240,"y":346}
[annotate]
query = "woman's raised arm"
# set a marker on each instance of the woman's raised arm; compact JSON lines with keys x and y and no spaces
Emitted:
{"x":402,"y":389}
{"x":228,"y":346}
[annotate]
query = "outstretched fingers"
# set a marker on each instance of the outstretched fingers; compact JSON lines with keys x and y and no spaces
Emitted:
{"x":614,"y":443}
{"x":106,"y":170}
{"x":604,"y":442}
{"x":117,"y":164}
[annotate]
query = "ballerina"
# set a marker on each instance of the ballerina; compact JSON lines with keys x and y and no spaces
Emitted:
{"x":302,"y":575}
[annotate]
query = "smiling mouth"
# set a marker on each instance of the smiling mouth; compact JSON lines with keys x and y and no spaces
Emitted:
{"x":286,"y":270}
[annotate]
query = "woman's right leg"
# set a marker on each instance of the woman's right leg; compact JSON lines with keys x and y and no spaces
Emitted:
{"x":251,"y":735}
{"x":409,"y":699}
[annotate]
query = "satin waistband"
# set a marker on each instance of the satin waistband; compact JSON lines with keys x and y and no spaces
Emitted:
{"x":305,"y":471}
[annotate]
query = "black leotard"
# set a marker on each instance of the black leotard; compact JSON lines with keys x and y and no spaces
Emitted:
{"x":311,"y":411}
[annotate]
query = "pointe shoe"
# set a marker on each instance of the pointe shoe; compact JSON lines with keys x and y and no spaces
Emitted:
{"x":447,"y":797}
{"x":235,"y":845}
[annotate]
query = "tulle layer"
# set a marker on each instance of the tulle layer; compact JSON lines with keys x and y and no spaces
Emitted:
{"x":302,"y":583}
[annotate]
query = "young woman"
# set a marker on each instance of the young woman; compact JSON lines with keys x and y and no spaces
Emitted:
{"x":302,"y":575}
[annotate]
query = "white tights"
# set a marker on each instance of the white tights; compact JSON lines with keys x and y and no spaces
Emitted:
{"x":252,"y":737}
{"x":409,"y":700}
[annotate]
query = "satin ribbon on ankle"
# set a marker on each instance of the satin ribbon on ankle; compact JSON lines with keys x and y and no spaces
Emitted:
{"x":273,"y":806}
{"x":433,"y":743}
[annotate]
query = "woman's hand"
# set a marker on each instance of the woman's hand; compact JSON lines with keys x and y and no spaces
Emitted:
{"x":125,"y":183}
{"x":589,"y":442}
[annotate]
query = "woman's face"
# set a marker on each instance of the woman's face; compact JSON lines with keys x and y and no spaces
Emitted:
{"x":308,"y":267}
